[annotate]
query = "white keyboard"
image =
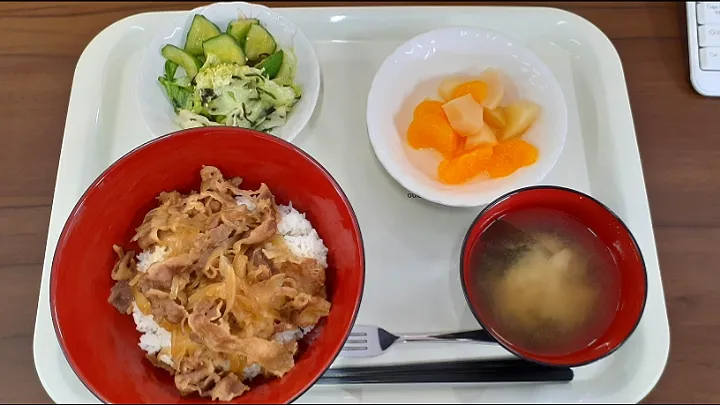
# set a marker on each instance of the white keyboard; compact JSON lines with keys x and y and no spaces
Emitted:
{"x":704,"y":46}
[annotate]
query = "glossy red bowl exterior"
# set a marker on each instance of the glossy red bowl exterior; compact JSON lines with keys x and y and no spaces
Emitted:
{"x":101,"y":344}
{"x":610,"y":230}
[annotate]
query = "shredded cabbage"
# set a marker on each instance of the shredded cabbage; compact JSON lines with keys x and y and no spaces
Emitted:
{"x":189,"y":119}
{"x":229,"y":94}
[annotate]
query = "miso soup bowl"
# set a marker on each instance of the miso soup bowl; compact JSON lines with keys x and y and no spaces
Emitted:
{"x":612,"y":233}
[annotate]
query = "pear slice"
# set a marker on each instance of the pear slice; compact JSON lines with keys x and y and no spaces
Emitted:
{"x":495,"y":117}
{"x":448,"y":86}
{"x":486,"y":136}
{"x":496,"y":91}
{"x":519,"y":115}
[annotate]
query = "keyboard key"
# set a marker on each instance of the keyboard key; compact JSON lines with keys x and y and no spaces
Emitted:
{"x":709,"y":35}
{"x":708,"y":12}
{"x":710,"y":58}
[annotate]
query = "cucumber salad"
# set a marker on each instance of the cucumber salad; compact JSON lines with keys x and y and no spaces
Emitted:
{"x":237,"y":78}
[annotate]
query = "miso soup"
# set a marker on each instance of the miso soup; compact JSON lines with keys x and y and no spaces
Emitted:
{"x":547,"y":284}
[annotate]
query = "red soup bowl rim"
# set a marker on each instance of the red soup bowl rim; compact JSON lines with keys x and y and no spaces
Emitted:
{"x":70,"y":222}
{"x":465,"y":250}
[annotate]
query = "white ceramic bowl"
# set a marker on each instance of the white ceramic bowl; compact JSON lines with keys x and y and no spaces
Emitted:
{"x":154,"y":105}
{"x":416,"y":69}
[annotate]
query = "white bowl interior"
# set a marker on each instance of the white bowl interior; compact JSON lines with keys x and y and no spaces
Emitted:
{"x":415,"y":70}
{"x":154,"y":104}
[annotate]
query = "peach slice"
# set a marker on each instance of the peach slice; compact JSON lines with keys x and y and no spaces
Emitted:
{"x":465,"y":115}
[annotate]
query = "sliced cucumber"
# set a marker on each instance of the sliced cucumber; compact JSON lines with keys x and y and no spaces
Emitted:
{"x":238,"y":29}
{"x":272,"y":64}
{"x":201,"y":30}
{"x":286,"y":75}
{"x":182,"y":59}
{"x":259,"y":44}
{"x":225,"y":48}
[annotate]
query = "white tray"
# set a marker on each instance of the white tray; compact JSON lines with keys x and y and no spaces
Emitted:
{"x":412,"y":245}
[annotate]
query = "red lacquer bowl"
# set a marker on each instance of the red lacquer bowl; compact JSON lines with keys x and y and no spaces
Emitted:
{"x":612,"y":233}
{"x":101,"y":344}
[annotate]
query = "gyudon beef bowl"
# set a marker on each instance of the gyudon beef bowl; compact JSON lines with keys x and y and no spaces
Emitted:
{"x":213,"y":264}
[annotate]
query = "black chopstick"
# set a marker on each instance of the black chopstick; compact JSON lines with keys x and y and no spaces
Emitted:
{"x":477,"y":371}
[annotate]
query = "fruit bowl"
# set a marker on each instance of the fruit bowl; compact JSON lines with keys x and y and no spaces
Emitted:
{"x":415,"y":71}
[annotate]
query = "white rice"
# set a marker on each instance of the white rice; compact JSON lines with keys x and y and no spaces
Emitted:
{"x":146,"y":259}
{"x":292,"y":222}
{"x":288,"y":336}
{"x":292,"y":335}
{"x":249,"y":372}
{"x":154,"y":337}
{"x":242,"y":200}
{"x":300,"y":237}
{"x":252,"y":371}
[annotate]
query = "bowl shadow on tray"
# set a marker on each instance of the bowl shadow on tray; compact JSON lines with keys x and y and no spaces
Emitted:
{"x":313,"y":121}
{"x":401,"y":193}
{"x":461,"y":310}
{"x":70,"y":377}
{"x":396,"y":188}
